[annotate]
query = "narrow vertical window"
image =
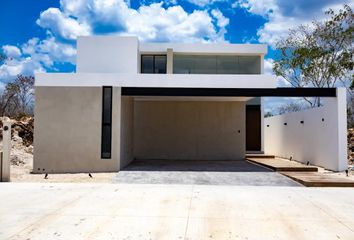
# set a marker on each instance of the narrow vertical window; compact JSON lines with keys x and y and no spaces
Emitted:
{"x":106,"y":141}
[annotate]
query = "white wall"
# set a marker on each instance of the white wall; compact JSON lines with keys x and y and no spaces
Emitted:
{"x":322,"y":143}
{"x":107,"y":54}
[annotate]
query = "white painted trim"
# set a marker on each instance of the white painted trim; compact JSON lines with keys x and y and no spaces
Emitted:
{"x":204,"y":48}
{"x":155,"y":80}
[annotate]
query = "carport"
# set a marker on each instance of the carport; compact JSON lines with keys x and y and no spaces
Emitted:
{"x":165,"y":126}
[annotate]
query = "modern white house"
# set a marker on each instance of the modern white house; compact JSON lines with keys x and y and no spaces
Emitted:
{"x":129,"y":100}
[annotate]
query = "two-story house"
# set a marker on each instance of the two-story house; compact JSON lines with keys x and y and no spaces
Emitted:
{"x":131,"y":100}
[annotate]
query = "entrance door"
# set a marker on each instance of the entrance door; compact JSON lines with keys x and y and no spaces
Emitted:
{"x":253,"y":127}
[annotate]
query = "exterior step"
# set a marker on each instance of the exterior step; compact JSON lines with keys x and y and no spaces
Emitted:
{"x":259,"y":155}
{"x":282,"y":165}
{"x":316,"y":179}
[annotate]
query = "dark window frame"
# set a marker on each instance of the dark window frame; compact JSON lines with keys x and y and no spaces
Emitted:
{"x":153,"y":62}
{"x":237,"y":66}
{"x":105,"y":124}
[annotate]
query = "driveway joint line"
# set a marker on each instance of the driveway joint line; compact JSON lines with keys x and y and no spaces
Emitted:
{"x":189,"y":209}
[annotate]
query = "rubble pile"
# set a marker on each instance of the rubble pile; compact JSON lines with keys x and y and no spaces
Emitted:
{"x":21,"y":141}
{"x":351,"y":146}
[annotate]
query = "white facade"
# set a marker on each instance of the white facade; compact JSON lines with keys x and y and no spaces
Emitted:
{"x":115,"y":61}
{"x":148,"y":127}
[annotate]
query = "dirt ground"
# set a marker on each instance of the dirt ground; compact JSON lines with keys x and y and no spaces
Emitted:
{"x":22,"y":172}
{"x":22,"y":164}
{"x":23,"y":175}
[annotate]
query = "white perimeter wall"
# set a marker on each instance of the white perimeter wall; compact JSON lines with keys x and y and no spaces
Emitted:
{"x":322,"y":143}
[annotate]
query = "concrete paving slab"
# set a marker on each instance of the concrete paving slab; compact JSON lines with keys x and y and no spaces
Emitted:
{"x":144,"y":211}
{"x":241,"y":173}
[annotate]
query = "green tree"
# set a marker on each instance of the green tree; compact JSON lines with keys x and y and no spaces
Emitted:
{"x":318,"y":55}
{"x":268,"y":114}
{"x":290,"y":107}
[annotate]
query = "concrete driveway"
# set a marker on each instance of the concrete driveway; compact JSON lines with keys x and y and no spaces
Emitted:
{"x":200,"y":212}
{"x":237,"y":173}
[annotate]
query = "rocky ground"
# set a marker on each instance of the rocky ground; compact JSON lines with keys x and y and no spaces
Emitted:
{"x":22,"y":157}
{"x":351,"y":146}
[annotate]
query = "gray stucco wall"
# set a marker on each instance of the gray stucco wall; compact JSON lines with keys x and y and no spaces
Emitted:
{"x":189,"y":130}
{"x":67,"y":135}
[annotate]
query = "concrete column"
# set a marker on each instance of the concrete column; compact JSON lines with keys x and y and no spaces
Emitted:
{"x":262,"y":124}
{"x":6,"y":140}
{"x":126,"y":131}
{"x":262,"y":64}
{"x":339,"y":107}
{"x":169,"y":61}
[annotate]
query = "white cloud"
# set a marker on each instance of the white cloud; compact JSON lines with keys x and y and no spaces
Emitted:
{"x":285,"y":15}
{"x":11,"y":51}
{"x":61,"y":25}
{"x":222,"y":21}
{"x":154,"y":23}
{"x":37,"y":56}
{"x":150,"y":23}
{"x":11,"y":68}
{"x":268,"y":65}
{"x":262,"y":8}
{"x":49,"y":51}
{"x":203,"y":3}
{"x":57,"y":51}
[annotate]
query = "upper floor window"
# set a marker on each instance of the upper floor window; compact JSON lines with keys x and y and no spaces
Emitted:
{"x":153,"y":63}
{"x":216,"y":64}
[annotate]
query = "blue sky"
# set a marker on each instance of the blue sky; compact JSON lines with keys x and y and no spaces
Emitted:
{"x":40,"y":35}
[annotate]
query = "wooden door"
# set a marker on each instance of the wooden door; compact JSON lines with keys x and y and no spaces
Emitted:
{"x":253,"y":127}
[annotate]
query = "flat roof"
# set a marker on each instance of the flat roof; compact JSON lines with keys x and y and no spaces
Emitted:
{"x":205,"y":48}
{"x":222,"y":48}
{"x":230,"y":92}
